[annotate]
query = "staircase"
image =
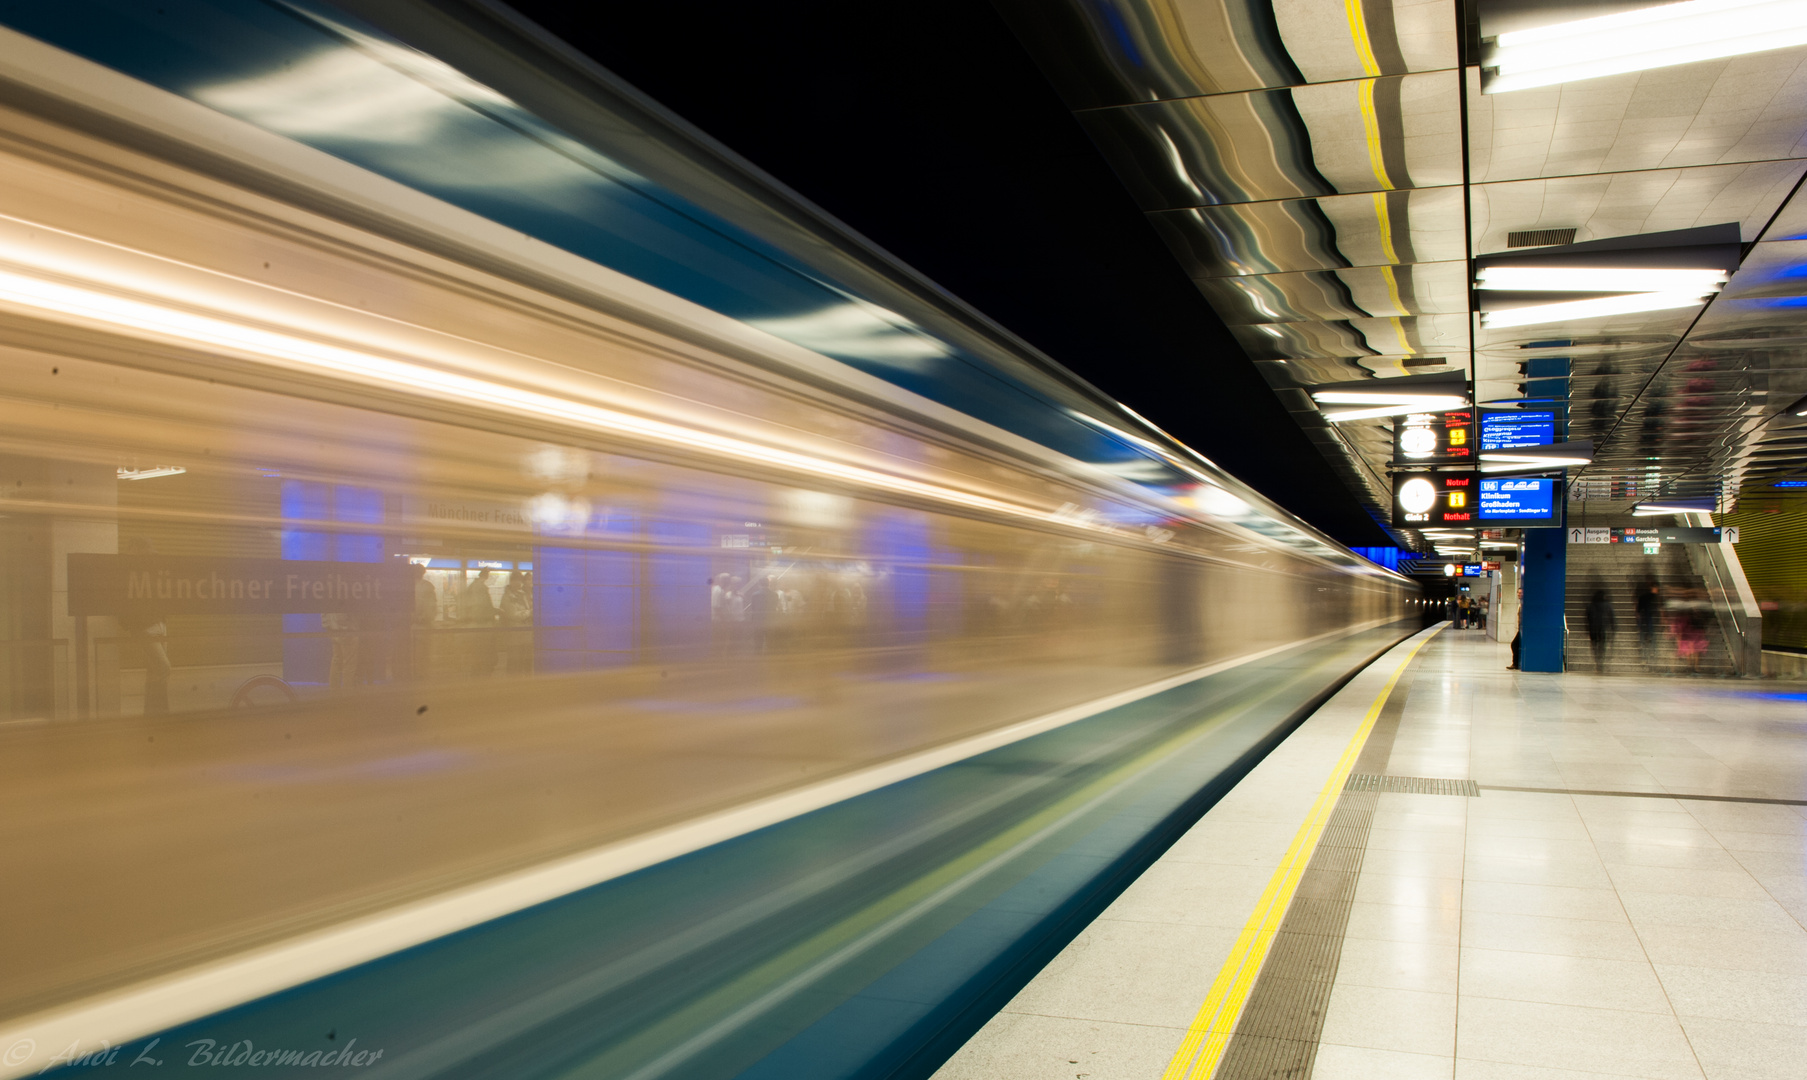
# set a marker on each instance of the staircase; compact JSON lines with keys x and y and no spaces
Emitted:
{"x":1620,"y":569}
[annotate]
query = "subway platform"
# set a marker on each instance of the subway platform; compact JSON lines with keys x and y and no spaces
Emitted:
{"x":1455,"y":870}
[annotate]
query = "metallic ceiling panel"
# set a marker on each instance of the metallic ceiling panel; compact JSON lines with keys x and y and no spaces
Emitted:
{"x":1377,"y":229}
{"x":1356,"y":293}
{"x":1429,"y":288}
{"x":1339,"y":39}
{"x":1385,"y":134}
{"x":1287,"y":341}
{"x":1770,"y":271}
{"x":1408,"y":336}
{"x":1231,"y":148}
{"x":1626,"y":204}
{"x":1745,"y":108}
{"x":1415,"y":334}
{"x":1311,"y":183}
{"x":1316,"y":294}
{"x":1311,"y":372}
{"x":1398,"y":226}
{"x":1121,"y":52}
{"x":1258,"y":238}
{"x":1362,"y":135}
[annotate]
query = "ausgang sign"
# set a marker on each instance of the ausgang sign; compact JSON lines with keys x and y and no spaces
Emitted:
{"x":198,"y":585}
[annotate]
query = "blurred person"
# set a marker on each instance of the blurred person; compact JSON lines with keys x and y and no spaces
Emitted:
{"x":152,"y":633}
{"x":765,"y":604}
{"x":1689,"y":626}
{"x":425,"y":615}
{"x":1481,"y":611}
{"x":719,"y":589}
{"x":477,"y":612}
{"x":342,"y":629}
{"x":517,"y":617}
{"x":1649,"y":616}
{"x":1518,"y":635}
{"x":1601,"y":624}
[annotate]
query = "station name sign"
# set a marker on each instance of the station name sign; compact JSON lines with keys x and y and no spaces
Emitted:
{"x":199,"y":585}
{"x":1666,"y":534}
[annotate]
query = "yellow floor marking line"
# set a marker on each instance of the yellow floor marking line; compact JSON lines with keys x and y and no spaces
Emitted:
{"x":1209,"y":1035}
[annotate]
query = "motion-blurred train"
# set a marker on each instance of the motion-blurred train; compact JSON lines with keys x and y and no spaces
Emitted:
{"x":495,"y":586}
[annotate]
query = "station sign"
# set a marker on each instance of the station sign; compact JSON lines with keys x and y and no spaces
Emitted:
{"x":1666,"y":534}
{"x":1443,"y":438}
{"x":160,"y":585}
{"x":1470,"y":499}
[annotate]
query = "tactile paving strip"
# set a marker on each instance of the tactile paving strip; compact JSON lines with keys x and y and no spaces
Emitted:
{"x":1277,"y":1035}
{"x":1411,"y":785}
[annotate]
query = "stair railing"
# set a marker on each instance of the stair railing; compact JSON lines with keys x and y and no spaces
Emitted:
{"x":1739,"y":617}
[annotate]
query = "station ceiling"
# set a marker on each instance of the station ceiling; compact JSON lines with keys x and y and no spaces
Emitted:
{"x":1327,"y":172}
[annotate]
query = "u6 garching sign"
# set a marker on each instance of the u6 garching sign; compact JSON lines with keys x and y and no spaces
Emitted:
{"x":199,"y":585}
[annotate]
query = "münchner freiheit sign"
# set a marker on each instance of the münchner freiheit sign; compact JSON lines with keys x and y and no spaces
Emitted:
{"x":199,"y":585}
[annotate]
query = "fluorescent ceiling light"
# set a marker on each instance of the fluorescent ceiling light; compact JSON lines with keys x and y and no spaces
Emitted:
{"x":148,"y":474}
{"x":1674,"y":506}
{"x":1639,"y":40}
{"x":1628,"y":279}
{"x":1502,"y":463}
{"x":1570,"y":310}
{"x":1371,"y":403}
{"x":1426,"y":402}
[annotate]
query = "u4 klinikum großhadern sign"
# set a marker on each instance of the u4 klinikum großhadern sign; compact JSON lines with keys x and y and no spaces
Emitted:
{"x":199,"y":585}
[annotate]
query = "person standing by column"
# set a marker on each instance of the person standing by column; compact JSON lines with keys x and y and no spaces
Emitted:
{"x":1518,"y":635}
{"x":152,"y":633}
{"x":424,"y":616}
{"x":1601,"y":623}
{"x":477,"y":611}
{"x":1650,"y":616}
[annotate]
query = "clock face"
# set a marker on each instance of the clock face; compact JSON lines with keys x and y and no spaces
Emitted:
{"x":1418,"y":442}
{"x":1417,"y":496}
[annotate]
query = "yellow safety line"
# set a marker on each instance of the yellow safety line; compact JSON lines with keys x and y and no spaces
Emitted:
{"x":1364,"y":93}
{"x":1209,"y":1035}
{"x":1358,"y":29}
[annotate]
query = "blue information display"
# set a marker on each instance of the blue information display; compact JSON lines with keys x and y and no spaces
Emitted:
{"x":1511,"y":430}
{"x":1524,"y":500}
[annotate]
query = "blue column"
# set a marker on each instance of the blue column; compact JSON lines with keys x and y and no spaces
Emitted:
{"x":1545,"y":582}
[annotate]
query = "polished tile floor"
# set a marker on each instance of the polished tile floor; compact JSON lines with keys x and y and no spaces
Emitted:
{"x":1589,"y":927}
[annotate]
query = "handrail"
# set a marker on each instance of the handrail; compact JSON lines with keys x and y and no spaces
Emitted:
{"x":1739,"y":618}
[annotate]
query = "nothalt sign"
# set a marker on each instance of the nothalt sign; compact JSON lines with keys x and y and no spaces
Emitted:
{"x":198,"y":585}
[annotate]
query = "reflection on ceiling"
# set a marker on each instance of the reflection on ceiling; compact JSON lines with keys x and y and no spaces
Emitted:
{"x":1329,"y":171}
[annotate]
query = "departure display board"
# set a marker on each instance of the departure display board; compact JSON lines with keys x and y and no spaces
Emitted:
{"x":1434,"y":438}
{"x":1421,"y":499}
{"x":1513,"y":429}
{"x":1519,"y":500}
{"x":1470,"y":499}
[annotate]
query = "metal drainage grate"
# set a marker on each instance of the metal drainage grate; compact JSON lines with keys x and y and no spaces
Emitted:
{"x":1540,"y":238}
{"x":1412,"y":785}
